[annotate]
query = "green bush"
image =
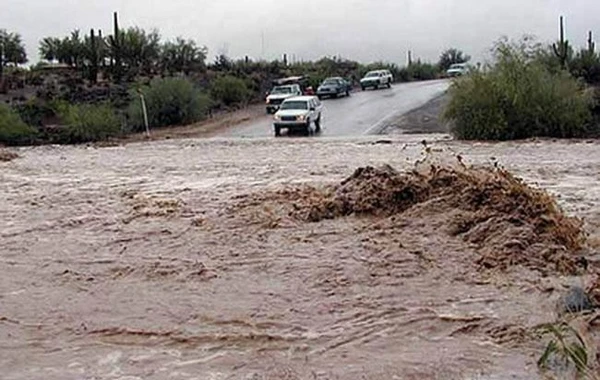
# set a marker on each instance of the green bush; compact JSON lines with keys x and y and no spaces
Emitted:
{"x":34,"y":111}
{"x":169,"y":101}
{"x":586,"y":65}
{"x":86,"y":123}
{"x":13,"y":131}
{"x":518,"y":98}
{"x":229,"y":90}
{"x":418,"y":71}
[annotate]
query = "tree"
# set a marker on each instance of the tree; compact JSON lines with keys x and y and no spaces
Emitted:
{"x":69,"y":50}
{"x":222,"y":63}
{"x":183,"y":56}
{"x":49,"y":47}
{"x":75,"y":49}
{"x":140,"y":49}
{"x":452,"y":56}
{"x":12,"y":50}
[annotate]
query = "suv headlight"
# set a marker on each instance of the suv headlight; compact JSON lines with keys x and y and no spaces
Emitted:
{"x":301,"y":117}
{"x":277,"y":117}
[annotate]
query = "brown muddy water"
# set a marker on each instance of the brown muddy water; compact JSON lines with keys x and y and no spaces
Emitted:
{"x":171,"y":260}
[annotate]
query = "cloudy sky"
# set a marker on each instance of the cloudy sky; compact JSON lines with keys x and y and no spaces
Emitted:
{"x":366,"y":30}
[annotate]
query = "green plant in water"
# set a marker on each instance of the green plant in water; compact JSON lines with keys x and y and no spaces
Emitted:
{"x":566,"y":346}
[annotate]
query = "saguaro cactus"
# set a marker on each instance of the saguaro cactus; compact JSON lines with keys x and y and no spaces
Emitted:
{"x":101,"y":49}
{"x":561,"y":49}
{"x":1,"y":61}
{"x":591,"y":43}
{"x":116,"y":47}
{"x":93,"y":57}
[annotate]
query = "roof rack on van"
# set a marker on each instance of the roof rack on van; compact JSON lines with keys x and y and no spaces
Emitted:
{"x":302,"y":80}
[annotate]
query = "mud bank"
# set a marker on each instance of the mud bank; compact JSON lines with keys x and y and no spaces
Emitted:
{"x":425,"y":119}
{"x":173,"y":259}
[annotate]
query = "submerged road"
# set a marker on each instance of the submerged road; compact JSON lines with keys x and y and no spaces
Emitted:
{"x":362,"y":113}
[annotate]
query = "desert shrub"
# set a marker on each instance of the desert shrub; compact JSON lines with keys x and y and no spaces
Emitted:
{"x":516,"y":98}
{"x":421,"y":71}
{"x":35,"y":111}
{"x":169,"y":101}
{"x":86,"y":123}
{"x":229,"y":90}
{"x":13,"y":130}
{"x":586,"y":65}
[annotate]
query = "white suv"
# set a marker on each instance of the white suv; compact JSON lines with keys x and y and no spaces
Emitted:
{"x":457,"y":70}
{"x":299,"y":113}
{"x":377,"y":78}
{"x":280,"y":93}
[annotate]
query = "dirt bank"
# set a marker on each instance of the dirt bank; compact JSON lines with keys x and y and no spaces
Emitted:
{"x":211,"y":127}
{"x":425,"y":119}
{"x":170,"y":259}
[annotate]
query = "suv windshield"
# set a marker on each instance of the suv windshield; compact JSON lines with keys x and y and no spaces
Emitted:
{"x":371,"y":75}
{"x":281,"y":90}
{"x":458,"y":66}
{"x":295,"y":105}
{"x":330,"y":82}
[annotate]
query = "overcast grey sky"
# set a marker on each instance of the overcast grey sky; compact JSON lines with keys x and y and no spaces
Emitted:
{"x":359,"y":29}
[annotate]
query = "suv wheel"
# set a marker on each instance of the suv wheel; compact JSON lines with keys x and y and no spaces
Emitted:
{"x":362,"y":87}
{"x":307,"y":130}
{"x":277,"y":131}
{"x":389,"y":84}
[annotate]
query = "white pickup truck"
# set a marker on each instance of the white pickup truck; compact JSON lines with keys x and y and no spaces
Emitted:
{"x":280,"y":93}
{"x":299,"y":114}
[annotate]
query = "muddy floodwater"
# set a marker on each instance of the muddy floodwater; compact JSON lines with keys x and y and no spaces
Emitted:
{"x":163,"y":261}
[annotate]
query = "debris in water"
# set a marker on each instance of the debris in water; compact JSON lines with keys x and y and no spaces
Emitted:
{"x":144,"y":206}
{"x":575,"y":301}
{"x":6,"y":155}
{"x":594,"y":289}
{"x":511,"y":222}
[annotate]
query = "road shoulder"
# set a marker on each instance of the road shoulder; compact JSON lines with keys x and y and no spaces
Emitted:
{"x":423,"y":120}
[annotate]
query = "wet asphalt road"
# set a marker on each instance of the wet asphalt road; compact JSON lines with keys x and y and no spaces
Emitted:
{"x":362,"y":113}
